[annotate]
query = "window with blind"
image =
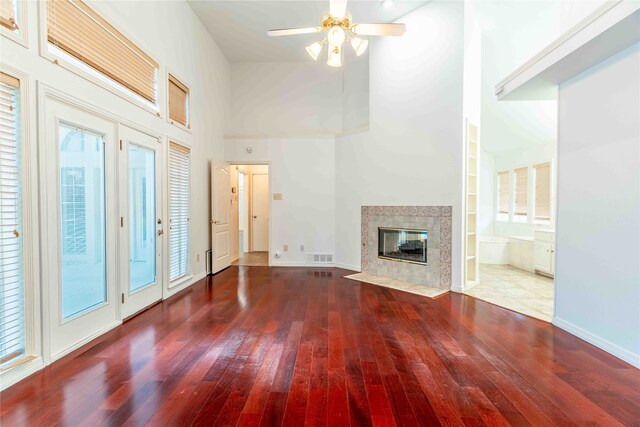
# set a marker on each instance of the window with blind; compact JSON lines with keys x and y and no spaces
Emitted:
{"x":12,"y":329}
{"x":504,"y":201}
{"x":179,"y":206}
{"x":521,"y":187}
{"x":81,"y":37}
{"x":178,"y":102}
{"x":9,"y":14}
{"x":543,"y":192}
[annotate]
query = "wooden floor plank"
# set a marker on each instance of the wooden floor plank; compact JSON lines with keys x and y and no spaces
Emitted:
{"x":300,"y":346}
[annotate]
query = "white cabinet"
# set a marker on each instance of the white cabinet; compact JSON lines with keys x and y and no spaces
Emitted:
{"x":544,"y":251}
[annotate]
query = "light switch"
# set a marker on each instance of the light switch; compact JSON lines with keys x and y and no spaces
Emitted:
{"x":277,"y":196}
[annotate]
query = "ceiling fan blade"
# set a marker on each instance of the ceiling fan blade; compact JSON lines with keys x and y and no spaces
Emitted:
{"x":379,"y":29}
{"x":293,"y":31}
{"x":338,"y":8}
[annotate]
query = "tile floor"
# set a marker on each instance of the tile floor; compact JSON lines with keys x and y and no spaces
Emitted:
{"x":515,"y":289}
{"x":253,"y":259}
{"x":397,"y":284}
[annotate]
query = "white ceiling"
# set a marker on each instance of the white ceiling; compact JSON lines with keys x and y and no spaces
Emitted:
{"x":240,"y":27}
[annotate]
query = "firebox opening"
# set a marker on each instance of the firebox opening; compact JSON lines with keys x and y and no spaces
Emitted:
{"x":401,"y":244}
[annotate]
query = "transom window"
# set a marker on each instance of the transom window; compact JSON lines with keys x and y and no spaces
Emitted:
{"x":79,"y":36}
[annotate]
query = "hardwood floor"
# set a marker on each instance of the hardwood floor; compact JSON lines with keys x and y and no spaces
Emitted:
{"x":294,"y":346}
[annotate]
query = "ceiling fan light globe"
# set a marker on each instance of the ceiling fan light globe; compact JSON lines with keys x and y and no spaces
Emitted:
{"x":335,"y":57}
{"x":359,"y":45}
{"x":336,"y":36}
{"x":314,"y":50}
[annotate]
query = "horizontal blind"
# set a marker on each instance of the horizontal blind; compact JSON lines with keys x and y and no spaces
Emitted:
{"x":179,"y":204}
{"x":178,"y":101}
{"x":503,"y":192}
{"x":521,"y":175}
{"x":8,"y":16}
{"x":12,"y":340}
{"x":76,"y":29}
{"x":543,"y":191}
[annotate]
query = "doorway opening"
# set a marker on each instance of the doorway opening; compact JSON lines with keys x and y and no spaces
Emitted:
{"x":511,"y":227}
{"x":250,"y":228}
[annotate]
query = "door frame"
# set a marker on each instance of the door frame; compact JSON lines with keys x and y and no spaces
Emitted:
{"x":124,"y":244}
{"x":251,"y":211}
{"x":44,"y":93}
{"x":215,"y":166}
{"x":267,"y":163}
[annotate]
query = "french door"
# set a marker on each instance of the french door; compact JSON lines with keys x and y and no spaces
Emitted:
{"x":141,"y":226}
{"x":78,"y":187}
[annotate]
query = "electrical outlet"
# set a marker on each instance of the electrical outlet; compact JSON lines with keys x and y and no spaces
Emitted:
{"x":277,"y":196}
{"x":285,"y":248}
{"x":301,"y":248}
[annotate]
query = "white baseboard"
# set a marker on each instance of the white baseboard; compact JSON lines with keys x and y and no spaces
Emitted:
{"x":609,"y":347}
{"x":349,"y":267}
{"x":300,"y":264}
{"x":185,"y":284}
{"x":20,"y":372}
{"x":457,"y":288}
{"x":80,"y":343}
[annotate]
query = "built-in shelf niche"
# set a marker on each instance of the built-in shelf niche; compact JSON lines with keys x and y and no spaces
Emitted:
{"x":471,"y":246}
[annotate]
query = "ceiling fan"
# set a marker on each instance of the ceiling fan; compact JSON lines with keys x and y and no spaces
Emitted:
{"x":339,"y":28}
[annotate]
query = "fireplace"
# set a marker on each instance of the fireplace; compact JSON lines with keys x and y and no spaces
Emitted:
{"x":402,"y":244}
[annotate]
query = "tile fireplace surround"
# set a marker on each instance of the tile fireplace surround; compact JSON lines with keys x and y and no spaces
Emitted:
{"x":435,"y":219}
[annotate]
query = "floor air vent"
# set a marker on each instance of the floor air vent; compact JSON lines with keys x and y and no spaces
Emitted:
{"x":317,"y":259}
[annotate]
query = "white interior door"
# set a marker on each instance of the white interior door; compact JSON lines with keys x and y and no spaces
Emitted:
{"x":220,"y":229}
{"x":260,"y":212}
{"x":141,"y":225}
{"x":79,"y":228}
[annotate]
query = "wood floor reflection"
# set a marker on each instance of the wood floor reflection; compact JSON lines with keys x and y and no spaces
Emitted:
{"x":294,"y":346}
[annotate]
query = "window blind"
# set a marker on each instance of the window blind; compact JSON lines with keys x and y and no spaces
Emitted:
{"x":8,"y":16}
{"x":179,"y":205}
{"x":75,"y":28}
{"x":503,"y":192}
{"x":178,"y":101}
{"x":521,"y":175}
{"x":12,"y":335}
{"x":543,"y":191}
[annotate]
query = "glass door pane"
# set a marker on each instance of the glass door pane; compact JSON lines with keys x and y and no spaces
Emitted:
{"x":142,"y":214}
{"x":82,"y":220}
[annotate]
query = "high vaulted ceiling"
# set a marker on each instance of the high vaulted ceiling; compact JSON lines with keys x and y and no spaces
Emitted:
{"x":240,"y":27}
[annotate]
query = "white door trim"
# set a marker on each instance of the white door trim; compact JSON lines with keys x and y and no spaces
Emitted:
{"x":269,"y":165}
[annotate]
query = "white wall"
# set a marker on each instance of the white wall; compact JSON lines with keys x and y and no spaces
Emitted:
{"x":284,"y":99}
{"x":512,"y":33}
{"x":412,"y":152}
{"x":598,"y":239}
{"x":188,"y":51}
{"x":303,"y":170}
{"x":355,"y":93}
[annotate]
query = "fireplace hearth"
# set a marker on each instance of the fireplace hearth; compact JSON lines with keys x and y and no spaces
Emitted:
{"x":402,"y":244}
